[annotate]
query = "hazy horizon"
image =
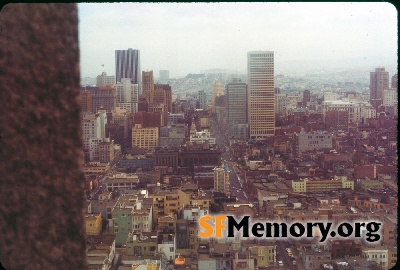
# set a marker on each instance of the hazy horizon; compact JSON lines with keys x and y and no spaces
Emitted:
{"x":191,"y":37}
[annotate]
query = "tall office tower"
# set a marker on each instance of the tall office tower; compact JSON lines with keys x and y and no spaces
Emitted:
{"x":202,"y":99}
{"x":218,"y":90}
{"x":261,"y":106}
{"x":393,"y":83}
{"x":164,"y":75}
{"x":306,"y":97}
{"x":379,"y":81}
{"x":127,"y":95}
{"x":163,"y":95}
{"x":236,"y":109}
{"x":148,"y":86}
{"x":127,"y":65}
{"x":104,"y":80}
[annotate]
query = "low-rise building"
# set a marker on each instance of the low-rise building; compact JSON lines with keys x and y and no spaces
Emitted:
{"x":309,"y":185}
{"x":93,"y":224}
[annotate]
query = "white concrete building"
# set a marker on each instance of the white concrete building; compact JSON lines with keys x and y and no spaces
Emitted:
{"x":378,"y":255}
{"x":280,"y":103}
{"x":142,"y":219}
{"x":390,"y":97}
{"x":127,"y":95}
{"x":221,"y":180}
{"x":316,"y":140}
{"x":166,"y":246}
{"x":194,"y":212}
{"x":104,"y":80}
{"x":93,"y":127}
{"x":201,"y":137}
{"x":356,"y":110}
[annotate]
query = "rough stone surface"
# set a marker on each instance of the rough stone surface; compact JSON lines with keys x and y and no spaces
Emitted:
{"x":41,"y":183}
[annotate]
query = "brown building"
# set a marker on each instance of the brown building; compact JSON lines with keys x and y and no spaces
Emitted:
{"x":142,"y":104}
{"x":160,"y":109}
{"x":362,"y":171}
{"x":379,"y":81}
{"x":163,"y":95}
{"x":148,"y":86}
{"x":147,"y":119}
{"x":389,"y":232}
{"x":298,"y":117}
{"x":199,"y":155}
{"x":116,"y":133}
{"x":106,"y":151}
{"x":166,"y":157}
{"x":337,"y":120}
{"x":341,"y":248}
{"x":85,"y":100}
{"x":102,"y":96}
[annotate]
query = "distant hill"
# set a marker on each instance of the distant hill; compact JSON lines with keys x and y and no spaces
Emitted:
{"x":222,"y":71}
{"x":367,"y":64}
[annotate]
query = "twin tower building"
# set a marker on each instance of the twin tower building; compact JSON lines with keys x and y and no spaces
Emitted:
{"x":251,"y":107}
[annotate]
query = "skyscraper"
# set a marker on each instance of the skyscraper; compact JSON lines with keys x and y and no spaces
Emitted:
{"x":236,"y":108}
{"x":260,"y":70}
{"x":379,"y":81}
{"x":218,"y":90}
{"x":148,"y":86}
{"x":202,"y":99}
{"x":127,"y":65}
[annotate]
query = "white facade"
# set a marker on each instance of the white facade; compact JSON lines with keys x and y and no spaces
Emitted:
{"x":202,"y":137}
{"x":356,"y":110}
{"x":194,"y":213}
{"x":329,"y":96}
{"x":141,"y":219}
{"x":280,"y":103}
{"x":308,"y":141}
{"x":127,"y":95}
{"x":261,"y":94}
{"x":379,"y":255}
{"x":390,"y":97}
{"x":103,"y":121}
{"x":167,"y":248}
{"x":93,"y":127}
{"x":104,"y":80}
{"x":221,"y":180}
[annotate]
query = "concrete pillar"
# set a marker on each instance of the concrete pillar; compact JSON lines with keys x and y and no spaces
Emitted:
{"x":41,"y":183}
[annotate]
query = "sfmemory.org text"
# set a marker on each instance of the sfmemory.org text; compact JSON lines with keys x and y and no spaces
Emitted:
{"x":228,"y":226}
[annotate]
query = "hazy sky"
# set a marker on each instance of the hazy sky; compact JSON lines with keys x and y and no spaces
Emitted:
{"x":187,"y":38}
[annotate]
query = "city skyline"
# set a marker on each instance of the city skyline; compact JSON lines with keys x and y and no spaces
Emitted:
{"x":187,"y":38}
